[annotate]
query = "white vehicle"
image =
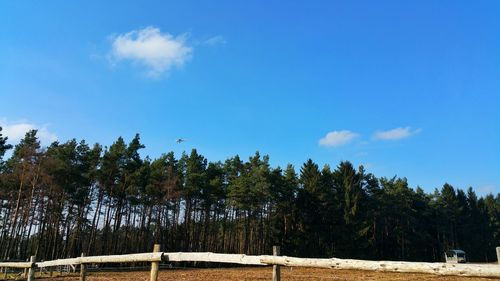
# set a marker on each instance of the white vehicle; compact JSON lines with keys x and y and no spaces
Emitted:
{"x":455,"y":256}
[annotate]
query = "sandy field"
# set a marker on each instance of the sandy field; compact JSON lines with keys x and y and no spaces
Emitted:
{"x":262,"y":273}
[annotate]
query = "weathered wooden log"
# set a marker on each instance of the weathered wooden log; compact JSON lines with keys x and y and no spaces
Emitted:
{"x":498,"y":255}
{"x":59,"y":262}
{"x":213,"y":257}
{"x":478,"y":270}
{"x":146,"y":257}
{"x":31,"y":271}
{"x":276,"y":268}
{"x":15,"y":264}
{"x":83,"y":272}
{"x":155,"y":264}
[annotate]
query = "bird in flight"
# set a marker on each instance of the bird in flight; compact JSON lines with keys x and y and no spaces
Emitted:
{"x":180,"y":140}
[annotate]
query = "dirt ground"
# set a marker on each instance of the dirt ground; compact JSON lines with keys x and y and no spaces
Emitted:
{"x":263,"y":273}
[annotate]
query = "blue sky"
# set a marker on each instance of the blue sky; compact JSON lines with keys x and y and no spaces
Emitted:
{"x":405,"y":88}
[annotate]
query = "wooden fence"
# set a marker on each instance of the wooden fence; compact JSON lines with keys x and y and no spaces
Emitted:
{"x":477,"y":270}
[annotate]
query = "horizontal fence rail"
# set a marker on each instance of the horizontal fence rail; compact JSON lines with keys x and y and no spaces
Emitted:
{"x":213,"y":257}
{"x":334,"y":263}
{"x":477,"y":270}
{"x":16,"y":264}
{"x":145,"y":257}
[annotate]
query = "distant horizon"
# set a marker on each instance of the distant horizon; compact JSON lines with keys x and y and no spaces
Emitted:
{"x":296,"y":166}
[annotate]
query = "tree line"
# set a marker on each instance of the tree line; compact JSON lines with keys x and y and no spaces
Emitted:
{"x":72,"y":197}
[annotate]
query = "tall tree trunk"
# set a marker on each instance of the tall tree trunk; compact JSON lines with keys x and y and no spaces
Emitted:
{"x":13,"y":223}
{"x":95,"y":224}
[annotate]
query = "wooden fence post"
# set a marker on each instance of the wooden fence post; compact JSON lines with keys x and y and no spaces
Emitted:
{"x":31,"y":271}
{"x":25,"y":272}
{"x":5,"y":270}
{"x":498,"y":255}
{"x":155,"y":264}
{"x":82,"y":270}
{"x":276,"y":268}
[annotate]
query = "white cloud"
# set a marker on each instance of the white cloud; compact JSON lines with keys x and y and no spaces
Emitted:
{"x":368,"y":166}
{"x":16,"y":131}
{"x":337,"y":138}
{"x":214,"y":41}
{"x":157,"y":51}
{"x":486,"y":189}
{"x":396,"y":134}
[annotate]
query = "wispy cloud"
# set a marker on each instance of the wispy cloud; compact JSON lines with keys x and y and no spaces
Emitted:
{"x":396,"y":134}
{"x":215,"y":40}
{"x":486,"y":189}
{"x":16,"y":131}
{"x":157,"y":51}
{"x":337,"y":138}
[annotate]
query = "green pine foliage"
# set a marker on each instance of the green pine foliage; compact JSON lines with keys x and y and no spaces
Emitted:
{"x":69,"y":198}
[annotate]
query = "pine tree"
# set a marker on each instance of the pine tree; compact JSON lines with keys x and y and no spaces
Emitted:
{"x":4,"y":146}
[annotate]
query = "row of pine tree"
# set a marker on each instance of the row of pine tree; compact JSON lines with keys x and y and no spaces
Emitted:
{"x":68,"y":198}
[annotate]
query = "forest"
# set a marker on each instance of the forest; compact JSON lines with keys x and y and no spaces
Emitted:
{"x":72,"y":197}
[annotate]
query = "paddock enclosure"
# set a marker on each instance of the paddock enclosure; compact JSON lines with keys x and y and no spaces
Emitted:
{"x":263,"y":267}
{"x":264,"y":273}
